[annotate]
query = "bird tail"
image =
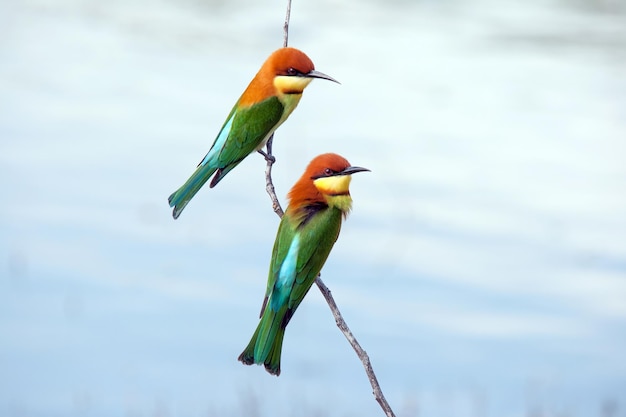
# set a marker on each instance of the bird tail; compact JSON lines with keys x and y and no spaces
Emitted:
{"x":267,"y":342}
{"x":221,"y":173}
{"x":181,"y":197}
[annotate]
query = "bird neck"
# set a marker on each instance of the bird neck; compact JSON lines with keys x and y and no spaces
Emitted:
{"x":336,"y":191}
{"x":288,"y":90}
{"x":308,"y":198}
{"x":342,"y":202}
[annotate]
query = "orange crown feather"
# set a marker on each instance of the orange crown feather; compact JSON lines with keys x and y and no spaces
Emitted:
{"x":279,"y":62}
{"x":304,"y":192}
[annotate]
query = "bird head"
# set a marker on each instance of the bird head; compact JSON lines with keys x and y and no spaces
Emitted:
{"x":325,"y":180}
{"x":292,"y":70}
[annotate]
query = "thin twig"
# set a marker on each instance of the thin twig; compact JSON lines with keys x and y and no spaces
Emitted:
{"x":341,"y":323}
{"x":269,"y":185}
{"x":362,"y":354}
{"x":286,"y":26}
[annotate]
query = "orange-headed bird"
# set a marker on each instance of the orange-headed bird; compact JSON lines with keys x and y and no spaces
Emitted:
{"x":318,"y":203}
{"x":269,"y":99}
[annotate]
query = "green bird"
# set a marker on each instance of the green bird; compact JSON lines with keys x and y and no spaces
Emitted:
{"x":267,"y":102}
{"x":318,"y":203}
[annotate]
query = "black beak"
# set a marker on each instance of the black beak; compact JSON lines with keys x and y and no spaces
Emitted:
{"x":317,"y":74}
{"x":352,"y":170}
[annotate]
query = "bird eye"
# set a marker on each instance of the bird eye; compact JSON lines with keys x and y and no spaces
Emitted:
{"x":328,"y":171}
{"x":292,"y":71}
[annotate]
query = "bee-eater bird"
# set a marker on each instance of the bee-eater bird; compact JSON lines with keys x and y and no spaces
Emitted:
{"x":269,"y":99}
{"x":318,"y":203}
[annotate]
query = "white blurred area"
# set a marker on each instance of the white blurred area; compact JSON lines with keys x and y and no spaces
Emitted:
{"x":483,"y":267}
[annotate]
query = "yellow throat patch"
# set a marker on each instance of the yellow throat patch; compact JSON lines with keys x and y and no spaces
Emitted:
{"x":290,"y":84}
{"x":336,"y":190}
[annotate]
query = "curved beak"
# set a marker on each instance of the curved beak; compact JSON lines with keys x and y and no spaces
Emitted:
{"x":352,"y":170}
{"x":317,"y":74}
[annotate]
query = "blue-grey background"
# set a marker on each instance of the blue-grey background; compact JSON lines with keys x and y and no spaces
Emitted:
{"x":483,"y":267}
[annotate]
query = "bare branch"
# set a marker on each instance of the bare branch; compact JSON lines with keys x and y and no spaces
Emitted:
{"x":269,"y":185}
{"x":269,"y":158}
{"x":286,"y":26}
{"x":341,"y":323}
{"x":365,"y":359}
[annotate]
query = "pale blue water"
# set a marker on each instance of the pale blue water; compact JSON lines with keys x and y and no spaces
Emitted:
{"x":483,"y":267}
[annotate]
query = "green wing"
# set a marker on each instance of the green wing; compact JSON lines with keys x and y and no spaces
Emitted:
{"x":299,"y":268}
{"x":321,"y":232}
{"x":250,"y":126}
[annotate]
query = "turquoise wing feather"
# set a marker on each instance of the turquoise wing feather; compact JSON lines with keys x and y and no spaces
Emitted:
{"x":321,"y":233}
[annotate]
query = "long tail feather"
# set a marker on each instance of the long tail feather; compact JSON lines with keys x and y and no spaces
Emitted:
{"x":266,"y":343}
{"x":184,"y":194}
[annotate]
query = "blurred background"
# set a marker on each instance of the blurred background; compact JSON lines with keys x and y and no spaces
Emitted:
{"x":483,"y":267}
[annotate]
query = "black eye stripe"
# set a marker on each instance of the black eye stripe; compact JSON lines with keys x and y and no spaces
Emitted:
{"x":326,"y":173}
{"x":292,"y":71}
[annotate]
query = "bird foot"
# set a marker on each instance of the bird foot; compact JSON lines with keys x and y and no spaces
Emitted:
{"x":268,"y":158}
